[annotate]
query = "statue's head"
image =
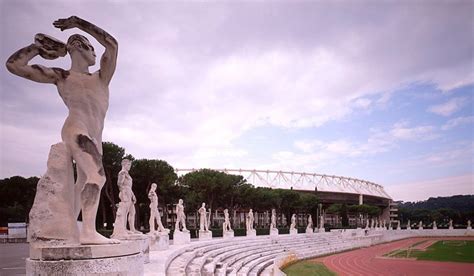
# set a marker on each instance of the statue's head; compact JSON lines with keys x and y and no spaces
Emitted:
{"x":203,"y":204}
{"x":226,"y":211}
{"x":250,"y":211}
{"x":79,"y":45}
{"x":153,"y":186}
{"x":126,"y":164}
{"x":180,"y":201}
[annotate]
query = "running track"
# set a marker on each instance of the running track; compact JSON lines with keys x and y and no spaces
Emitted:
{"x":366,"y":262}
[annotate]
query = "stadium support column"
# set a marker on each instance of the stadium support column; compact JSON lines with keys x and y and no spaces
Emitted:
{"x":361,"y":199}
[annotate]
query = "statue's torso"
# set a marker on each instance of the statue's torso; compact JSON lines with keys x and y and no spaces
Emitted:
{"x":87,"y":98}
{"x":125,"y":186}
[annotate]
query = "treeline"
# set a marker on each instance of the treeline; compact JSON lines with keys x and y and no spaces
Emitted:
{"x":217,"y":189}
{"x":459,"y":208}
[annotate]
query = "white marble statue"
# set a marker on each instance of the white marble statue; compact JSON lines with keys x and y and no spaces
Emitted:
{"x":203,"y":218}
{"x":293,"y":222}
{"x":408,"y":225}
{"x":126,"y":209}
{"x":372,"y":223}
{"x":86,"y":95}
{"x":469,"y":227}
{"x":398,"y":225}
{"x":180,"y":224}
{"x":434,"y":225}
{"x":273,"y":224}
{"x":321,"y":222}
{"x":384,"y":224}
{"x":420,"y":225}
{"x":367,"y":223}
{"x":451,"y":224}
{"x":310,"y":223}
{"x":154,"y":213}
{"x":226,"y":225}
{"x":249,"y":220}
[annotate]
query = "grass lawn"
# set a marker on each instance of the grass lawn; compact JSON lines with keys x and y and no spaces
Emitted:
{"x":308,"y":268}
{"x":444,"y":251}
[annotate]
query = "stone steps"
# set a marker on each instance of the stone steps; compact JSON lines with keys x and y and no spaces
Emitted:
{"x":251,"y":256}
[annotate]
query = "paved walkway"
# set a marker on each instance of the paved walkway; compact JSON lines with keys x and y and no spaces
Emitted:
{"x":12,"y":258}
{"x":368,"y":261}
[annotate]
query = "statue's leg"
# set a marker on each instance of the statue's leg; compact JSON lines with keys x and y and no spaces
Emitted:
{"x":176,"y":225}
{"x":81,"y":180}
{"x":89,"y":160}
{"x":131,"y":217}
{"x":151,"y":221}
{"x":158,"y":221}
{"x":183,"y":222}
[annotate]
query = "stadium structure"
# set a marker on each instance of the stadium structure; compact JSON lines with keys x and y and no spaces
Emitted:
{"x":330,"y":189}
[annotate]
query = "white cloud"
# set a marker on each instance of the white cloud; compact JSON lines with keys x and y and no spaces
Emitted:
{"x":401,"y":132}
{"x":451,"y":106}
{"x":363,"y":103}
{"x":423,"y":189}
{"x":314,"y":155}
{"x":457,"y":122}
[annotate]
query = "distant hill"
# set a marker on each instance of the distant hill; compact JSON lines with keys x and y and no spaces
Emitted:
{"x":461,"y":203}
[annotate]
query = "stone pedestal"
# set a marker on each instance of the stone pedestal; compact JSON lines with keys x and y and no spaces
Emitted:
{"x":251,"y":233}
{"x":321,"y":230}
{"x":159,"y":241}
{"x":451,"y":228}
{"x":228,"y":234}
{"x":293,"y":231}
{"x":181,"y":237}
{"x":111,"y":259}
{"x":143,"y":241}
{"x":274,"y":232}
{"x":309,"y":231}
{"x":205,"y":235}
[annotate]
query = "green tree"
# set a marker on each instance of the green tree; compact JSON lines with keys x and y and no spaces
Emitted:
{"x":16,"y":198}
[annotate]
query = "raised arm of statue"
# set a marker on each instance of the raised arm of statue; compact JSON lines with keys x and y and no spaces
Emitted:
{"x":109,"y":58}
{"x":17,"y":64}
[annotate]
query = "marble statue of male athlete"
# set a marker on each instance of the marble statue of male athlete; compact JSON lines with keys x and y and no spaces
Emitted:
{"x":86,"y":95}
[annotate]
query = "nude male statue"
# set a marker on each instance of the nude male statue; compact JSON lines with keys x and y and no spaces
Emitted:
{"x":293,"y":222}
{"x":310,"y":222}
{"x":154,"y":213}
{"x":180,"y":217}
{"x":250,"y":220}
{"x":273,"y":223}
{"x":226,"y":225}
{"x":126,"y":210}
{"x":86,"y":95}
{"x":203,"y":221}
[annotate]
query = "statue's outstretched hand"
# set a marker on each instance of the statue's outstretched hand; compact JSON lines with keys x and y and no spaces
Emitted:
{"x":66,"y":23}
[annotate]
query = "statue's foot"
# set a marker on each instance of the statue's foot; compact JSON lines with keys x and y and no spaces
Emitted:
{"x":136,"y":232}
{"x":96,"y":238}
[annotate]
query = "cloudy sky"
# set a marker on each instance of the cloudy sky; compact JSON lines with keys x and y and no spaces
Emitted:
{"x":377,"y":91}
